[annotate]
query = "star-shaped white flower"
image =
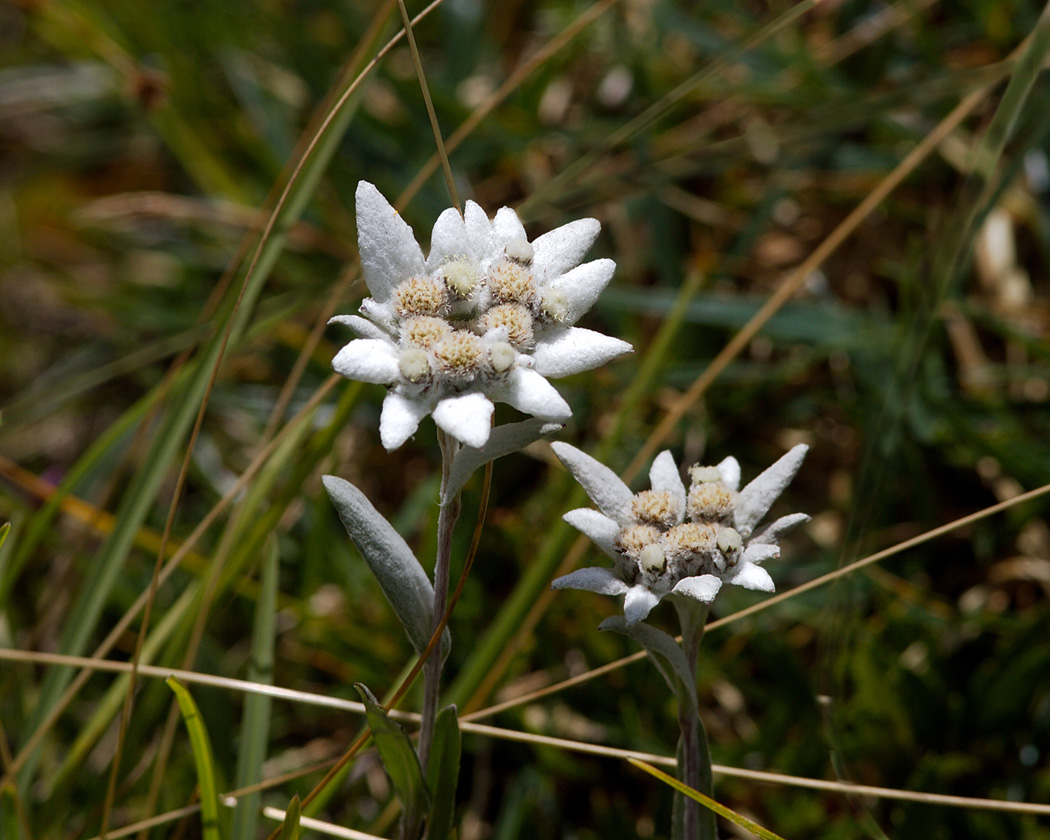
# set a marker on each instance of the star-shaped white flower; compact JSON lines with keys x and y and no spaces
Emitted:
{"x":486,"y":317}
{"x":667,"y":540}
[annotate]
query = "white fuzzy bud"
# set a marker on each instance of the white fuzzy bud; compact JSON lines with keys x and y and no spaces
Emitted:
{"x":501,"y":356}
{"x":555,"y":305}
{"x":729,"y":541}
{"x":414,"y":364}
{"x":651,"y":558}
{"x":520,"y":251}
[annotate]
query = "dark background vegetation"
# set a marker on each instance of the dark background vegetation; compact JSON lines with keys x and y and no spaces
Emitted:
{"x":138,"y":142}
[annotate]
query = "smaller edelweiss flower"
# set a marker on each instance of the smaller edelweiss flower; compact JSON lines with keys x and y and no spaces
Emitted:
{"x":486,"y":317}
{"x":669,"y":541}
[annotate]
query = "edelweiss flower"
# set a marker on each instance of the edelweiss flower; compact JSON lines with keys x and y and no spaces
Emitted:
{"x":668,"y":541}
{"x":487,"y":316}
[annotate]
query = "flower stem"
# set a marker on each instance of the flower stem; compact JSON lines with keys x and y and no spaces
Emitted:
{"x":447,"y":516}
{"x":694,"y":753}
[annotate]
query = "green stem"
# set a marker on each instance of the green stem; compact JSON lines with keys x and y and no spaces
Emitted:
{"x":447,"y":517}
{"x":694,"y":753}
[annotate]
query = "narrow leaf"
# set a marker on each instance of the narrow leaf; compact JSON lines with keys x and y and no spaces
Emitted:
{"x":9,"y":810}
{"x":707,"y":801}
{"x":255,"y":729}
{"x":290,"y":826}
{"x":665,"y":653}
{"x":503,"y":440}
{"x":443,"y":773}
{"x":4,"y":530}
{"x":201,"y":747}
{"x":400,"y":575}
{"x":400,"y":762}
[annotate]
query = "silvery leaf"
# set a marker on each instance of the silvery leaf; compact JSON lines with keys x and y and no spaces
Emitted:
{"x":510,"y":437}
{"x":400,"y":575}
{"x":665,"y":653}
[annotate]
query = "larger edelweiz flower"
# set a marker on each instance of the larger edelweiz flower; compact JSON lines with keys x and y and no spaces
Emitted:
{"x":669,"y":541}
{"x":487,"y":316}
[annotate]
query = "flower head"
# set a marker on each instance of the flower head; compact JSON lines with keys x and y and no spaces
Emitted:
{"x":668,"y":540}
{"x":486,"y":317}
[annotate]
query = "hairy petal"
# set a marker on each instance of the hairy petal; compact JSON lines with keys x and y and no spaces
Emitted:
{"x":400,"y":419}
{"x":388,"y":248}
{"x":368,"y":360}
{"x":532,"y":394}
{"x":599,"y":527}
{"x":567,"y":350}
{"x":607,"y":491}
{"x":664,"y":476}
{"x":562,"y":248}
{"x":730,"y":470}
{"x":480,"y":241}
{"x":593,"y":579}
{"x":757,"y":498}
{"x":638,"y":603}
{"x":507,"y":227}
{"x":467,"y":418}
{"x":750,"y":576}
{"x":772,"y":533}
{"x":759,"y":552}
{"x":448,"y":239}
{"x":701,"y":587}
{"x":580,"y":287}
{"x":361,"y":326}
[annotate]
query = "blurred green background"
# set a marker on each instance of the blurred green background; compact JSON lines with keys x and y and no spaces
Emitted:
{"x":142,"y":147}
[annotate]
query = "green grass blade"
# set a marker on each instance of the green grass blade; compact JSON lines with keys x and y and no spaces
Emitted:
{"x":108,"y":707}
{"x":10,"y":824}
{"x":707,"y":802}
{"x":290,"y":827}
{"x":145,"y":485}
{"x":255,"y":729}
{"x":202,"y":758}
{"x":443,"y":773}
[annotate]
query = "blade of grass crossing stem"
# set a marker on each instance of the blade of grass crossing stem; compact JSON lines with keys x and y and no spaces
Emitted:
{"x":202,"y":759}
{"x":255,"y":729}
{"x":290,"y":827}
{"x":184,"y":404}
{"x":707,"y":802}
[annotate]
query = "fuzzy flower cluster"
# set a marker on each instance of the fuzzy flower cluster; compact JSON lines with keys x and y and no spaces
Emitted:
{"x":667,"y":540}
{"x":486,"y":317}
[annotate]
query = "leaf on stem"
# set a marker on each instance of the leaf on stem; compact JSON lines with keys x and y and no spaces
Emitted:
{"x":665,"y":653}
{"x":443,"y":773}
{"x":400,"y":762}
{"x":400,"y":575}
{"x":503,"y":440}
